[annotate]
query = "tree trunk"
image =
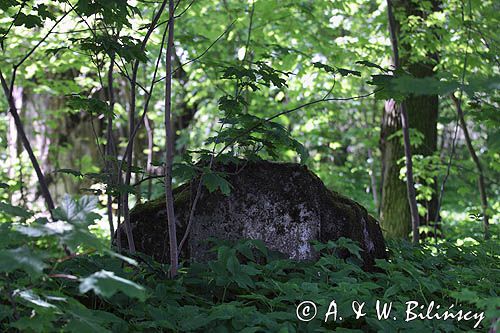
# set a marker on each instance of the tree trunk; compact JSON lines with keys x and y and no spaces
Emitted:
{"x":422,"y":115}
{"x":394,"y":209}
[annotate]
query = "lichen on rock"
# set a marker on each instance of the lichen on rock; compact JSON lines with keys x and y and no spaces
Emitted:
{"x":283,"y":204}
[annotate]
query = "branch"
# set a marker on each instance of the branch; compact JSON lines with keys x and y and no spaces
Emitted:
{"x":203,"y":53}
{"x":452,"y":153}
{"x":13,"y":21}
{"x":263,"y":121}
{"x":185,"y":10}
{"x":123,"y":71}
{"x":148,"y":99}
{"x":16,"y":66}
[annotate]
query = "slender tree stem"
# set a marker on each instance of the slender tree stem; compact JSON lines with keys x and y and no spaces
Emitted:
{"x":150,"y":134}
{"x":464,"y":72}
{"x":109,"y":147}
{"x":172,"y":232}
{"x":133,"y":130}
{"x":8,"y":90}
{"x":477,"y":162}
{"x":26,"y":143}
{"x":410,"y":186}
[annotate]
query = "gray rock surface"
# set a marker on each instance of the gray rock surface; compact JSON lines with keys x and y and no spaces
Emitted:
{"x":283,"y":204}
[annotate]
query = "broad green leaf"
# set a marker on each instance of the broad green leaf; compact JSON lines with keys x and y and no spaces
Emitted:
{"x":29,"y":21}
{"x":21,"y":258}
{"x":370,"y":64}
{"x":106,"y":284}
{"x":80,"y":211}
{"x":14,"y":210}
{"x":31,"y":297}
{"x":350,"y":245}
{"x":41,"y":322}
{"x":72,"y":172}
{"x":41,"y":229}
{"x":346,"y":72}
{"x":90,"y":105}
{"x":183,"y":171}
{"x":213,"y":182}
{"x":6,"y":4}
{"x":44,"y":12}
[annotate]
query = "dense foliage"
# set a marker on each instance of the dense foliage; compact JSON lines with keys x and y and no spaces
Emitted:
{"x":245,"y":288}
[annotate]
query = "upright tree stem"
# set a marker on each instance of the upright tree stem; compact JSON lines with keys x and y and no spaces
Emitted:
{"x":26,"y":143}
{"x":172,"y":233}
{"x":129,"y":158}
{"x":475,"y":158}
{"x":133,"y":129}
{"x":410,"y":186}
{"x":109,"y":147}
{"x":149,"y":162}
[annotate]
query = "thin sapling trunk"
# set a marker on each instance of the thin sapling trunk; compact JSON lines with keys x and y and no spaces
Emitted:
{"x":477,"y":162}
{"x":172,"y":233}
{"x":109,"y":148}
{"x":27,"y":145}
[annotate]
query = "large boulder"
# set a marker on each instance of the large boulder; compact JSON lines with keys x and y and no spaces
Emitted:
{"x":283,"y":204}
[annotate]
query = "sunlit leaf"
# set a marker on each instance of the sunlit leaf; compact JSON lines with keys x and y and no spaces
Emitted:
{"x":106,"y":284}
{"x":21,"y":258}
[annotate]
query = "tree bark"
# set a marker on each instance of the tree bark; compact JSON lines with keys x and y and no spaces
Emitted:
{"x":422,"y":111}
{"x":149,"y":161}
{"x":410,"y":184}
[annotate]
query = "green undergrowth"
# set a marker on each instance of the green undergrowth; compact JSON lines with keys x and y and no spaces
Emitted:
{"x":58,"y":277}
{"x":96,"y":293}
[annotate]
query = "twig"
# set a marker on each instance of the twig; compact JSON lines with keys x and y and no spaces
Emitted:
{"x":14,"y":20}
{"x":185,"y":10}
{"x":27,"y":55}
{"x":201,"y":54}
{"x":131,"y":126}
{"x":123,"y":70}
{"x":249,"y":32}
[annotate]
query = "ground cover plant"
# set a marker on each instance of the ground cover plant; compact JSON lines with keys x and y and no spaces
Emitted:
{"x":246,"y":288}
{"x":112,"y":106}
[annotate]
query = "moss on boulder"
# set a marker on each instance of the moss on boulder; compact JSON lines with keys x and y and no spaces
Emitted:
{"x":283,"y":204}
